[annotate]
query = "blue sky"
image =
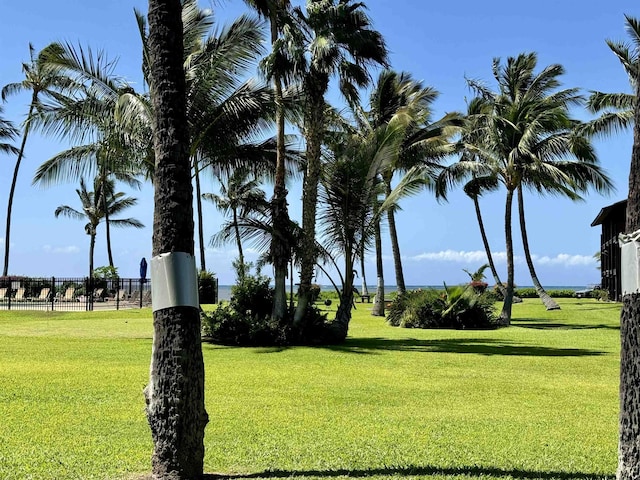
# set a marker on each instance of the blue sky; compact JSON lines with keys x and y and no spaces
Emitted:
{"x":440,"y":43}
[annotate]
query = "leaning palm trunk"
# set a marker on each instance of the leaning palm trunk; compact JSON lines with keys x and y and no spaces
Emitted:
{"x":378,"y":304}
{"x":487,"y":249}
{"x":313,"y":133}
{"x":92,"y":246}
{"x":365,"y":289}
{"x":196,"y":174}
{"x":505,"y":314}
{"x":7,"y":238}
{"x":395,"y":246}
{"x":629,"y":439}
{"x":175,"y":393}
{"x":548,"y":302}
{"x":242,"y":269}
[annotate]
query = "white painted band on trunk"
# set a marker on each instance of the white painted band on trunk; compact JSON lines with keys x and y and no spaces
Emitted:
{"x":629,"y":262}
{"x":174,"y":282}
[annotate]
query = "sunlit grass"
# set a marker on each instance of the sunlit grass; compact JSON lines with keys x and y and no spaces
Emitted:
{"x":537,"y":400}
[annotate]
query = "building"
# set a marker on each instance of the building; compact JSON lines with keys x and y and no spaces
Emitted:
{"x":613,"y":220}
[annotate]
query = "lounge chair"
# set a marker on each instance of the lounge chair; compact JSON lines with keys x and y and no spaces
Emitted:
{"x":44,"y":295}
{"x":146,"y":297}
{"x":122,"y":295}
{"x":3,"y":293}
{"x":135,"y":297}
{"x":19,"y":294}
{"x":97,"y":294}
{"x":69,"y":295}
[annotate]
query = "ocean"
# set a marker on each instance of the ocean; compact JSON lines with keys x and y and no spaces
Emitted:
{"x":224,"y":291}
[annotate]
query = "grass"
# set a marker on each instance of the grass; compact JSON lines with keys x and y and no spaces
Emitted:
{"x":534,"y":401}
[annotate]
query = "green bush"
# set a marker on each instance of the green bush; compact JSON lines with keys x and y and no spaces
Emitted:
{"x":600,"y":294}
{"x":207,"y":287}
{"x":454,"y":307}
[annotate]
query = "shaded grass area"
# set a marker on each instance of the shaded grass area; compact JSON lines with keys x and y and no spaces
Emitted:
{"x":534,"y":401}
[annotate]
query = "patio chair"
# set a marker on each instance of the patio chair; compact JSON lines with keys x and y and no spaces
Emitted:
{"x":122,"y":295}
{"x":135,"y":297}
{"x":3,"y":293}
{"x":146,"y":297}
{"x":19,"y":294}
{"x":44,"y":295}
{"x":69,"y":295}
{"x":97,"y":294}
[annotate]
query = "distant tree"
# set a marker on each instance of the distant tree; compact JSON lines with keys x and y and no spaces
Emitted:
{"x":239,"y":195}
{"x":8,"y":133}
{"x":93,"y":210}
{"x":39,"y":80}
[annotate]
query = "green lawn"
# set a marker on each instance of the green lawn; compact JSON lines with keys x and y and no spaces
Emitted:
{"x":535,"y":401}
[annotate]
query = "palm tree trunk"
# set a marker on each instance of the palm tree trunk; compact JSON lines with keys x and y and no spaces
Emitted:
{"x":105,"y":208}
{"x":196,"y":170}
{"x":16,"y":169}
{"x":92,"y":246}
{"x":340,"y":326}
{"x":505,"y":314}
{"x":395,"y":246}
{"x":239,"y":245}
{"x":629,"y":434}
{"x":313,"y":133}
{"x":487,"y":249}
{"x":175,"y":394}
{"x":378,"y":304}
{"x":365,"y":288}
{"x":280,"y":244}
{"x":548,"y":302}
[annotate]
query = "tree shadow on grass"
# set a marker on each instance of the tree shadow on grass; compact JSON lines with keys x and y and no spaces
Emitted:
{"x":472,"y":471}
{"x":478,"y":346}
{"x":538,"y":324}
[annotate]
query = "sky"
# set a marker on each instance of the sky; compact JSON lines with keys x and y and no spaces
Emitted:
{"x":440,"y":43}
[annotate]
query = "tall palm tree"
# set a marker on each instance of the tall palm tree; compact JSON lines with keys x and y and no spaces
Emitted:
{"x":93,"y":211}
{"x":175,"y":393}
{"x":39,"y":80}
{"x":223,"y":112}
{"x":239,"y":195}
{"x":617,"y":109}
{"x":274,"y":11}
{"x":524,"y":141}
{"x":340,"y":41}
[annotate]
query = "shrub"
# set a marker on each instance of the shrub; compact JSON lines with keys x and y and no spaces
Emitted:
{"x":314,"y":292}
{"x":207,"y":287}
{"x":455,"y":307}
{"x":600,"y":294}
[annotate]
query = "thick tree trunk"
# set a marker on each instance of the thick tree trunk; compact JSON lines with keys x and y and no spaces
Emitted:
{"x":487,"y":249}
{"x":629,"y":440}
{"x":175,"y":394}
{"x":378,"y":304}
{"x":16,"y":169}
{"x":196,"y":171}
{"x":280,"y":239}
{"x":340,"y":326}
{"x":505,"y":314}
{"x":313,"y":129}
{"x":395,"y":246}
{"x":548,"y":302}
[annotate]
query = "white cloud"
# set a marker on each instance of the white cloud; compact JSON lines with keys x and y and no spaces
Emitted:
{"x":64,"y":250}
{"x":479,"y":256}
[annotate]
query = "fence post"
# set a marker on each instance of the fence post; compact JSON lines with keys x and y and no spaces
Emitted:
{"x":118,"y":293}
{"x":53,"y":291}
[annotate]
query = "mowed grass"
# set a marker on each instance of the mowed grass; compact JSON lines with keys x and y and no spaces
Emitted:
{"x":537,"y":400}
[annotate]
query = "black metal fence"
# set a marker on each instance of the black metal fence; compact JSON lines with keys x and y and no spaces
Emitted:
{"x":73,"y":294}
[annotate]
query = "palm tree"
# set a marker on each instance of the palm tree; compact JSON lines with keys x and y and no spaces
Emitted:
{"x":39,"y":80}
{"x":274,"y":11}
{"x":340,"y":41}
{"x":239,"y":195}
{"x":617,"y":109}
{"x":175,"y":393}
{"x":524,"y":140}
{"x":8,"y":132}
{"x":224,"y":114}
{"x":93,"y":210}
